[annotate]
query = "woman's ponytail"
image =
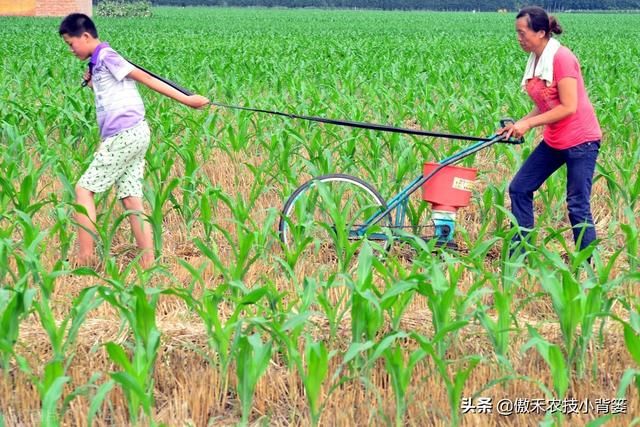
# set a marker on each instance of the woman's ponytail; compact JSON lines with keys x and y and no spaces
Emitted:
{"x":554,"y":25}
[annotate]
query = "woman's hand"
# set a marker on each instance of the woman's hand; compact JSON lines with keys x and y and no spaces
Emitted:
{"x":568,"y":94}
{"x":515,"y":130}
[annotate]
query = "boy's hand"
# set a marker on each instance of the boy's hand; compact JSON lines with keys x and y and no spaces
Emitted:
{"x":87,"y":78}
{"x":196,"y":101}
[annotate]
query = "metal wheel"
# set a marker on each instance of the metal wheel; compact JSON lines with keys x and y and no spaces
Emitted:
{"x":324,"y":217}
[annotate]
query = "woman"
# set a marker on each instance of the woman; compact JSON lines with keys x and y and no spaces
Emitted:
{"x":572,"y":134}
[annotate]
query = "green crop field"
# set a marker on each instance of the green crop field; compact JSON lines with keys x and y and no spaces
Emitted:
{"x":232,"y":328}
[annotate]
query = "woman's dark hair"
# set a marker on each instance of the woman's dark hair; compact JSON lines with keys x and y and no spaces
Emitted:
{"x":76,"y":24}
{"x":538,"y":20}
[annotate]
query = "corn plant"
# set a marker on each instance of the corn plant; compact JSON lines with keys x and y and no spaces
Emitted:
{"x":25,"y":198}
{"x":157,"y":197}
{"x":18,"y":292}
{"x":6,"y":248}
{"x":286,"y":325}
{"x":576,"y":303}
{"x":286,"y":321}
{"x":62,"y":337}
{"x":138,"y":307}
{"x":224,"y":333}
{"x":19,"y":183}
{"x":317,"y":359}
{"x":553,"y":357}
{"x":188,"y":205}
{"x":396,"y":299}
{"x":503,"y":288}
{"x":399,"y":365}
{"x":208,"y":203}
{"x":631,"y":328}
{"x":15,"y":306}
{"x":454,"y":382}
{"x":447,"y":305}
{"x":26,"y":251}
{"x":63,"y":227}
{"x":104,"y":230}
{"x":334,"y":311}
{"x":492,"y":205}
{"x":366,"y":312}
{"x":252,"y":359}
{"x":632,"y":241}
{"x":623,"y":179}
{"x":498,"y":329}
{"x":283,"y":170}
{"x":615,"y":186}
{"x":238,"y":134}
{"x":247,"y":244}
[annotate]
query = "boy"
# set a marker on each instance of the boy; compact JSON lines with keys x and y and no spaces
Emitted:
{"x":123,"y":131}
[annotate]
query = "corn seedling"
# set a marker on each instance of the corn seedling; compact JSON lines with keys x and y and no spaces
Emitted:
{"x":138,"y":307}
{"x":399,"y":365}
{"x":366,"y":312}
{"x":317,"y":369}
{"x":253,"y":357}
{"x":454,"y":382}
{"x":555,"y":360}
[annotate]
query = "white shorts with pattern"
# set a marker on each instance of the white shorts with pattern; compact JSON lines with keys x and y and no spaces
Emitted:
{"x":120,"y":161}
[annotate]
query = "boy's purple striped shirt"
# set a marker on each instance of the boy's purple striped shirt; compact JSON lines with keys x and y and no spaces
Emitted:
{"x":94,"y":55}
{"x":118,"y":104}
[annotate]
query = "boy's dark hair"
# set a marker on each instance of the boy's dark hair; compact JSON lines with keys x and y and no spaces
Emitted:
{"x":76,"y":24}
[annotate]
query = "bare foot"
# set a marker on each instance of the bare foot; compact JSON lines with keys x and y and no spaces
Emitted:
{"x":84,"y":260}
{"x":147,"y":259}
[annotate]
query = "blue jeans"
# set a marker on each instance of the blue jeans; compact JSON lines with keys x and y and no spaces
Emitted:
{"x":541,"y":164}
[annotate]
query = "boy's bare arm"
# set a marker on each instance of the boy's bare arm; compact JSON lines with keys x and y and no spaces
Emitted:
{"x":194,"y":101}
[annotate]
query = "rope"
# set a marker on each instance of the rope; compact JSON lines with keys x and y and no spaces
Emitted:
{"x":338,"y":122}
